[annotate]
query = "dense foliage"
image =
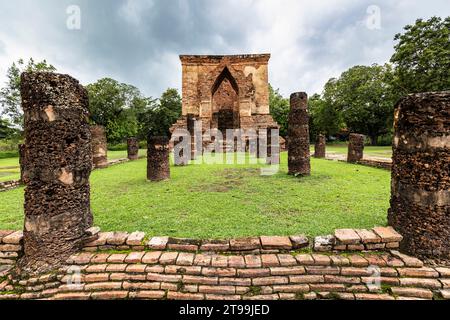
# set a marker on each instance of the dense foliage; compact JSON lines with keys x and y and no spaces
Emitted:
{"x":10,"y":100}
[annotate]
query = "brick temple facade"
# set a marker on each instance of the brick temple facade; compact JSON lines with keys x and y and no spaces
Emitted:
{"x":225,"y":92}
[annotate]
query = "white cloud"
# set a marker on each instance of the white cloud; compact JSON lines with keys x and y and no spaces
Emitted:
{"x":138,"y":42}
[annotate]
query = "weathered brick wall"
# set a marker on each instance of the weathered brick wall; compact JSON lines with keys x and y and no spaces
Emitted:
{"x":298,"y":133}
{"x":420,"y":197}
{"x":158,"y":166}
{"x":173,"y":270}
{"x":57,"y":204}
{"x":355,"y":148}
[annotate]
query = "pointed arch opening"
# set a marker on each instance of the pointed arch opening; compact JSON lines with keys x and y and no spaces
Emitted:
{"x":225,"y":102}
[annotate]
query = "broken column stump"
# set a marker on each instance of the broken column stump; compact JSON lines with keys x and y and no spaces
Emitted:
{"x":355,"y":148}
{"x":298,"y":132}
{"x":273,"y":146}
{"x":133,"y":149}
{"x":158,"y":165}
{"x":99,"y":147}
{"x":420,"y":196}
{"x":58,"y":166}
{"x":320,"y":147}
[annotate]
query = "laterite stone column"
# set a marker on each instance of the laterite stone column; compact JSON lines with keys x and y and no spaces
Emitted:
{"x":298,"y":132}
{"x":320,"y":147}
{"x":158,"y":166}
{"x":133,"y":148}
{"x":99,"y":147}
{"x":420,"y":196}
{"x":355,"y":148}
{"x":58,"y":166}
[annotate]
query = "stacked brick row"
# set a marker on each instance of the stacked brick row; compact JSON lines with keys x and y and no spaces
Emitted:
{"x":139,"y":241}
{"x":379,"y":238}
{"x":10,"y":247}
{"x":9,"y":185}
{"x":181,"y":276}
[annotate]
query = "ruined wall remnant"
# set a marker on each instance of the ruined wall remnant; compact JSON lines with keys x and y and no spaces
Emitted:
{"x":58,"y":166}
{"x":420,"y":196}
{"x":298,"y":132}
{"x":225,"y":92}
{"x":99,"y":147}
{"x":355,"y":148}
{"x":158,"y":166}
{"x":320,"y":147}
{"x":133,"y":148}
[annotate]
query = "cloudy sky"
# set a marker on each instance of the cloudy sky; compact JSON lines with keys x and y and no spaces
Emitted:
{"x":138,"y":41}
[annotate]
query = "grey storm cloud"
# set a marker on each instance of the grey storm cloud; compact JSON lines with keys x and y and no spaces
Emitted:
{"x":138,"y":41}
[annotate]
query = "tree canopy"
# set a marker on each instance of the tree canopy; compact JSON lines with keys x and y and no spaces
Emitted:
{"x":10,"y":100}
{"x":422,"y":57}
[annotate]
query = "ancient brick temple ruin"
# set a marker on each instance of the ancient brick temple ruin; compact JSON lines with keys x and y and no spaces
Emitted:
{"x":225,"y":92}
{"x":57,"y":205}
{"x":420,"y":199}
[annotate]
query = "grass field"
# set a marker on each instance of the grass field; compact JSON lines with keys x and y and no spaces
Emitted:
{"x":9,"y":167}
{"x":383,"y":152}
{"x":220,"y":201}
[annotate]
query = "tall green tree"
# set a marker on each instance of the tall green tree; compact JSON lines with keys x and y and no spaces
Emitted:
{"x":6,"y":129}
{"x":365,"y":99}
{"x":10,"y":100}
{"x":116,"y":106}
{"x":325,"y":117}
{"x":158,"y":119}
{"x":279,"y":109}
{"x":422,"y":57}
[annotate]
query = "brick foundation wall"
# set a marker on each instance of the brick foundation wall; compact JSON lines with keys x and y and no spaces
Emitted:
{"x":263,"y":268}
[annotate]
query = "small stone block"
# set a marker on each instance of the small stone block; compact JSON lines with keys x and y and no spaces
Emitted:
{"x":347,"y":236}
{"x":158,"y":243}
{"x":388,"y":234}
{"x":135,"y":239}
{"x":245,"y":244}
{"x":281,"y":243}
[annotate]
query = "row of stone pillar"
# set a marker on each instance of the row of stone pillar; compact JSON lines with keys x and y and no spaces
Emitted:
{"x":58,"y":143}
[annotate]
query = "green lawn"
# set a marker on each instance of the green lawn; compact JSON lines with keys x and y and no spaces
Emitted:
{"x":383,"y":152}
{"x":9,"y":167}
{"x":220,"y":201}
